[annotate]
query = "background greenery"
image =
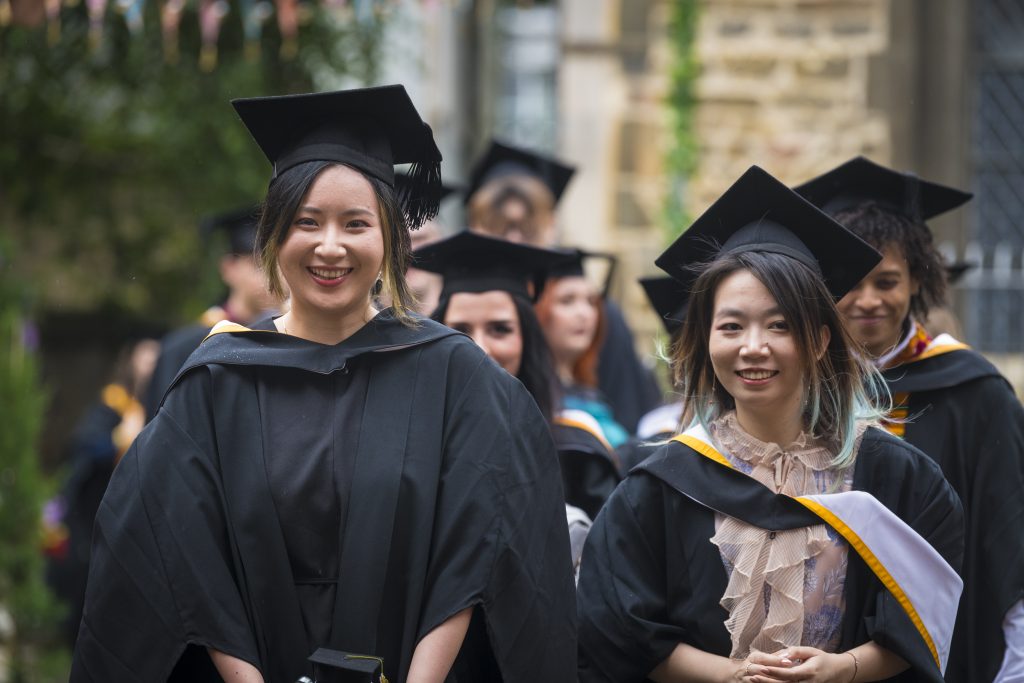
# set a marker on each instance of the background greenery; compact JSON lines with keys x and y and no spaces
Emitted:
{"x":682,"y":155}
{"x":28,"y":612}
{"x":109,"y":156}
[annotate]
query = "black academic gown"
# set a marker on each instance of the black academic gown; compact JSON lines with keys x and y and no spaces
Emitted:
{"x":590,"y":470}
{"x":964,"y":415}
{"x":651,"y":578}
{"x":636,"y":450}
{"x":291,"y":495}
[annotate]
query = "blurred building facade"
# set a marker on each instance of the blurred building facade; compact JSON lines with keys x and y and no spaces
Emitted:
{"x":796,"y":86}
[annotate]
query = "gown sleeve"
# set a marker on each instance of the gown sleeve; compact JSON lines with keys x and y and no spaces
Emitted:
{"x":161,"y":575}
{"x":625,"y":630}
{"x":500,"y":540}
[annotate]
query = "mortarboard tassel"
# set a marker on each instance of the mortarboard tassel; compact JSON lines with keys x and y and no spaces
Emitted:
{"x":421,"y":196}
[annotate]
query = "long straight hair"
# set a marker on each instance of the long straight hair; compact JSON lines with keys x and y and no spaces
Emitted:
{"x":842,"y":387}
{"x":285,"y":195}
{"x":536,"y":369}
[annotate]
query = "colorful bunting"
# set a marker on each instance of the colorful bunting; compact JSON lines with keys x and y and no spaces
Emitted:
{"x":170,"y":20}
{"x":132,"y":11}
{"x":52,"y":21}
{"x":288,"y":24}
{"x":96,"y":10}
{"x":291,"y":14}
{"x":211,"y":14}
{"x":254,"y":14}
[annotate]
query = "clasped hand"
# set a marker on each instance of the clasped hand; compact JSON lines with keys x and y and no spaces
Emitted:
{"x":796,"y":664}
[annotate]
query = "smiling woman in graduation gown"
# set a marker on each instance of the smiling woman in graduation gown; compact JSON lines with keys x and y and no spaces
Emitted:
{"x":437,"y":465}
{"x":362,"y":494}
{"x":825,"y":549}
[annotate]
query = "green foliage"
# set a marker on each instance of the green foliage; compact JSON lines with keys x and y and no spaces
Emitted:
{"x":31,"y":643}
{"x":110,"y":155}
{"x":682,"y":156}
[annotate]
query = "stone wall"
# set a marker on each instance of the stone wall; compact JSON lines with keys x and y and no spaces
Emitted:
{"x":794,"y":86}
{"x":785,"y":85}
{"x":613,"y":123}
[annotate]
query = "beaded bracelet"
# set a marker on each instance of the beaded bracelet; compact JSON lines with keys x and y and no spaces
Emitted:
{"x":856,"y":666}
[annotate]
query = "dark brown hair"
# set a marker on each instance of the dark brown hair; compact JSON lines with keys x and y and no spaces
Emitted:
{"x":536,"y":370}
{"x":881,"y":227}
{"x":285,"y":195}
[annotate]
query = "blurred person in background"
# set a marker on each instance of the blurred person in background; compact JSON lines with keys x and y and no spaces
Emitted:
{"x":487,"y":295}
{"x":100,"y":438}
{"x":949,"y":401}
{"x":668,"y":300}
{"x":248,"y":298}
{"x":572,"y":313}
{"x":513,"y":194}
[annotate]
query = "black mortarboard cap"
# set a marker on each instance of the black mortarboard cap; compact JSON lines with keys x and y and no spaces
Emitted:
{"x":572,"y":265}
{"x":371,"y":129}
{"x":668,"y":299}
{"x":470,"y":262}
{"x":335,"y":666}
{"x":504,"y":160}
{"x":860,"y":180}
{"x":239,"y":225}
{"x":759,"y":213}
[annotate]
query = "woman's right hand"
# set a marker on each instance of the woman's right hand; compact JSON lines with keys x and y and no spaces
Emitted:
{"x":687,"y":664}
{"x":752,"y":669}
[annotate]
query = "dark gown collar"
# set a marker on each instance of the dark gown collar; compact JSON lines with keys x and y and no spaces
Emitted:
{"x":939,"y":372}
{"x":262,"y":345}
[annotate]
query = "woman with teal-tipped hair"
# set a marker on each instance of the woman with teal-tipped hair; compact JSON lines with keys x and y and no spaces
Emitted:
{"x":782,"y":536}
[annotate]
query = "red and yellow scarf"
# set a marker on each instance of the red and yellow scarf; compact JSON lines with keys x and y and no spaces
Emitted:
{"x":913,"y":348}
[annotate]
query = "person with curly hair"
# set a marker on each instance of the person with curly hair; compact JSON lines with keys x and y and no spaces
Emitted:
{"x":949,"y":401}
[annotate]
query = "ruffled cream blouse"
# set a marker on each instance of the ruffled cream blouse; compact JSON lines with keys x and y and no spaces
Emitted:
{"x":785,"y":587}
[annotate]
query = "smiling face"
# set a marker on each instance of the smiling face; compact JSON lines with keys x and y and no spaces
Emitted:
{"x":333,"y":251}
{"x":491,"y":320}
{"x":875,"y":309}
{"x":753,"y":350}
